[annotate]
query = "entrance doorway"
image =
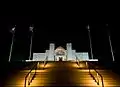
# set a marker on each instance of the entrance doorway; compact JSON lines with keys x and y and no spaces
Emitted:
{"x":60,"y":58}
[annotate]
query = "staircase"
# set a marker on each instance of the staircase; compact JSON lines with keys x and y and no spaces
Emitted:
{"x":63,"y":74}
{"x":110,"y":79}
{"x":17,"y":77}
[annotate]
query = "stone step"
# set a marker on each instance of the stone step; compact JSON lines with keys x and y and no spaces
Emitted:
{"x":62,"y":74}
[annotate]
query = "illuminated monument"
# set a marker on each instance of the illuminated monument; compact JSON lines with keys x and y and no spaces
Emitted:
{"x":59,"y":53}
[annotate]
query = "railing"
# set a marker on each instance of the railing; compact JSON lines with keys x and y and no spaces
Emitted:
{"x":45,"y":62}
{"x":97,"y":76}
{"x":77,"y":61}
{"x":30,"y":76}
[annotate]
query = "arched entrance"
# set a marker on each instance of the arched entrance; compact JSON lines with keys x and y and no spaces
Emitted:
{"x":60,"y":54}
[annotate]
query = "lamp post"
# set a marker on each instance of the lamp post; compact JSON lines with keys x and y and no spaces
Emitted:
{"x":88,"y":27}
{"x":11,"y":48}
{"x":31,"y":29}
{"x":110,"y":45}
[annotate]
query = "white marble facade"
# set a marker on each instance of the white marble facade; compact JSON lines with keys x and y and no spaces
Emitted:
{"x":60,"y":53}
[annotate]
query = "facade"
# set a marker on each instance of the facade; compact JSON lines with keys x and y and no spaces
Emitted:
{"x":61,"y":54}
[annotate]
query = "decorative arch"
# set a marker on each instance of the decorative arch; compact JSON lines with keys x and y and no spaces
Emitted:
{"x":60,"y":53}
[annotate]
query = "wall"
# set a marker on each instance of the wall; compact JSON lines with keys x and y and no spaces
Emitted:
{"x":39,"y":56}
{"x":83,"y":55}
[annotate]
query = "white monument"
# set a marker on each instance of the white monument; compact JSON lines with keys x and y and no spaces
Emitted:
{"x":61,"y":54}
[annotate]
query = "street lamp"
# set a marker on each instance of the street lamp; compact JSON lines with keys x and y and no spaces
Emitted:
{"x":110,"y":44}
{"x":31,"y":29}
{"x":13,"y":32}
{"x":88,"y":27}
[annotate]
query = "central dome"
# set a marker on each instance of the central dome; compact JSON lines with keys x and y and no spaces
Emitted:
{"x":60,"y":48}
{"x":60,"y":51}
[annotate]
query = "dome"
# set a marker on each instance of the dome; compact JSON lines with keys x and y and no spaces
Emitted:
{"x":60,"y":51}
{"x":60,"y":48}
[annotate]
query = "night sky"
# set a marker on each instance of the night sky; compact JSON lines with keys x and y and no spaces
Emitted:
{"x":57,"y":30}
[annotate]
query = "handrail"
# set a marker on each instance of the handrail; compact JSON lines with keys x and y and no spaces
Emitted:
{"x":77,"y":61}
{"x":29,"y":74}
{"x":97,"y":73}
{"x":45,"y":62}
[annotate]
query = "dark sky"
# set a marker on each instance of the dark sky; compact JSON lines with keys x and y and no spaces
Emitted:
{"x":56,"y":30}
